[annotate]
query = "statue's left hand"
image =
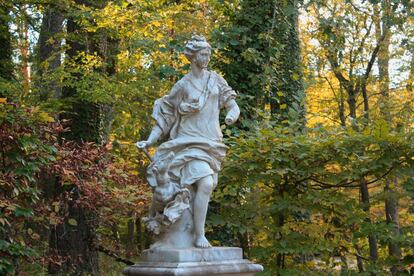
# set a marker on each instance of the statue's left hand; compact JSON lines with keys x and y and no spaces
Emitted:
{"x":229,"y":120}
{"x":233,"y":112}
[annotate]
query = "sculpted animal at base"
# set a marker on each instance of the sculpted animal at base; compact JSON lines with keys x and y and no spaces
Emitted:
{"x":165,"y":190}
{"x":168,"y":200}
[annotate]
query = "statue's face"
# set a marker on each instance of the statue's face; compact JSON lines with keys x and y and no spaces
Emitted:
{"x":202,"y":58}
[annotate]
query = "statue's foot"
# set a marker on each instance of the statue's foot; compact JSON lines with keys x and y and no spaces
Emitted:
{"x":202,"y":242}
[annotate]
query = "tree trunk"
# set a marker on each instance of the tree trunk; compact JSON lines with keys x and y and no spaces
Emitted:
{"x":130,"y":241}
{"x":279,"y":219}
{"x":366,"y":101}
{"x":352,"y":106}
{"x":391,"y":213}
{"x":89,"y":122}
{"x":265,"y":78}
{"x":75,"y":243}
{"x":360,"y":263}
{"x":341,"y":111}
{"x":139,"y":235}
{"x":372,"y":240}
{"x":6,"y":64}
{"x":288,"y":91}
{"x":410,"y":82}
{"x":243,"y":239}
{"x":23,"y":46}
{"x":280,"y":258}
{"x":49,"y":57}
{"x":352,"y":102}
{"x":382,"y":29}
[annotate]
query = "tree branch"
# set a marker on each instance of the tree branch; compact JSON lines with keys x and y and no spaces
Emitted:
{"x":114,"y":255}
{"x":374,"y":56}
{"x":348,"y":184}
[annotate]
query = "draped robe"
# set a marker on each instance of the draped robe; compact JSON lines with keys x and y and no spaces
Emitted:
{"x":189,"y":118}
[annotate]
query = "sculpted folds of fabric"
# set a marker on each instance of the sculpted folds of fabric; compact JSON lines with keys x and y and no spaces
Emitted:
{"x":184,"y":168}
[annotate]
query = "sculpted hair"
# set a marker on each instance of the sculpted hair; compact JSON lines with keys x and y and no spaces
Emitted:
{"x":195,"y":44}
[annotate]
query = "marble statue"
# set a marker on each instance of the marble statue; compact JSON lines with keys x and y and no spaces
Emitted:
{"x":183,"y":173}
{"x":184,"y":168}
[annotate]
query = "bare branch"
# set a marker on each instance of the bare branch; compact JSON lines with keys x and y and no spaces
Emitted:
{"x":114,"y":255}
{"x":374,"y":56}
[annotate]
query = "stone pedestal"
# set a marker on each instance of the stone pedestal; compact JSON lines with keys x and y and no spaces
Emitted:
{"x":217,"y":261}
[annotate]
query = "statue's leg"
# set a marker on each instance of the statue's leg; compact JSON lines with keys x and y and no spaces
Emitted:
{"x":202,"y":197}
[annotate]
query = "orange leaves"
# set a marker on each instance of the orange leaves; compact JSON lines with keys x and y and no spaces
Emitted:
{"x":43,"y":177}
{"x":100,"y":182}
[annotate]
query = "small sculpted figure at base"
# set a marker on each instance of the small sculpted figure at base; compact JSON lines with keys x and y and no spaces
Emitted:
{"x":184,"y":169}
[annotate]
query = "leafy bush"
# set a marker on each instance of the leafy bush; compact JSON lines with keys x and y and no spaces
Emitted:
{"x":26,"y":147}
{"x":42,"y":175}
{"x":292,"y":198}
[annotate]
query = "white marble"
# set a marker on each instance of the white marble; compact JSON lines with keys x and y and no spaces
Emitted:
{"x":212,"y":254}
{"x":218,"y":261}
{"x":184,"y":168}
{"x":183,"y":174}
{"x":219,"y":268}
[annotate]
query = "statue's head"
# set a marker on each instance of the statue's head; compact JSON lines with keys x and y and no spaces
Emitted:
{"x":198,"y":51}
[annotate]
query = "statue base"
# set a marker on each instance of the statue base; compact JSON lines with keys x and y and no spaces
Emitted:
{"x":218,"y":261}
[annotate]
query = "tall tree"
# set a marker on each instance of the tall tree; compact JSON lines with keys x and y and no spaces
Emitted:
{"x":6,"y":65}
{"x":383,"y":21}
{"x":410,"y":81}
{"x":23,"y":46}
{"x":261,"y":57}
{"x":262,"y":61}
{"x":288,"y":93}
{"x":351,"y":67}
{"x":355,"y":38}
{"x":410,"y":84}
{"x":75,"y":238}
{"x":48,"y":55}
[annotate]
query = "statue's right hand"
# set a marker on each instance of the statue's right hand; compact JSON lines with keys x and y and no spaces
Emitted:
{"x":142,"y":144}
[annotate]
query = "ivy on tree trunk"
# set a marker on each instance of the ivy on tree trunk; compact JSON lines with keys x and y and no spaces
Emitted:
{"x":6,"y":65}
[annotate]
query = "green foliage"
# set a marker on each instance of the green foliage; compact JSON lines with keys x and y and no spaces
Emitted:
{"x":288,"y":196}
{"x":26,"y":147}
{"x":259,"y":55}
{"x":295,"y":194}
{"x":34,"y":165}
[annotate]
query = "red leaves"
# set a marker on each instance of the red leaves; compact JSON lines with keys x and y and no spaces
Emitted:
{"x":43,"y":175}
{"x":91,"y":179}
{"x":84,"y":166}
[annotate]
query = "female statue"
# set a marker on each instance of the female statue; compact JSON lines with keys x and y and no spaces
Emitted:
{"x":187,"y":119}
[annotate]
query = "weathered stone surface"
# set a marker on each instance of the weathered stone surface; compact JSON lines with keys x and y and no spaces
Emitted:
{"x":218,"y":261}
{"x":184,"y":171}
{"x":233,"y":267}
{"x":193,"y":254}
{"x":185,"y":166}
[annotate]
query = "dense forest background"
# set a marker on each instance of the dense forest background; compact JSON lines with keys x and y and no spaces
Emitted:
{"x":319,"y":178}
